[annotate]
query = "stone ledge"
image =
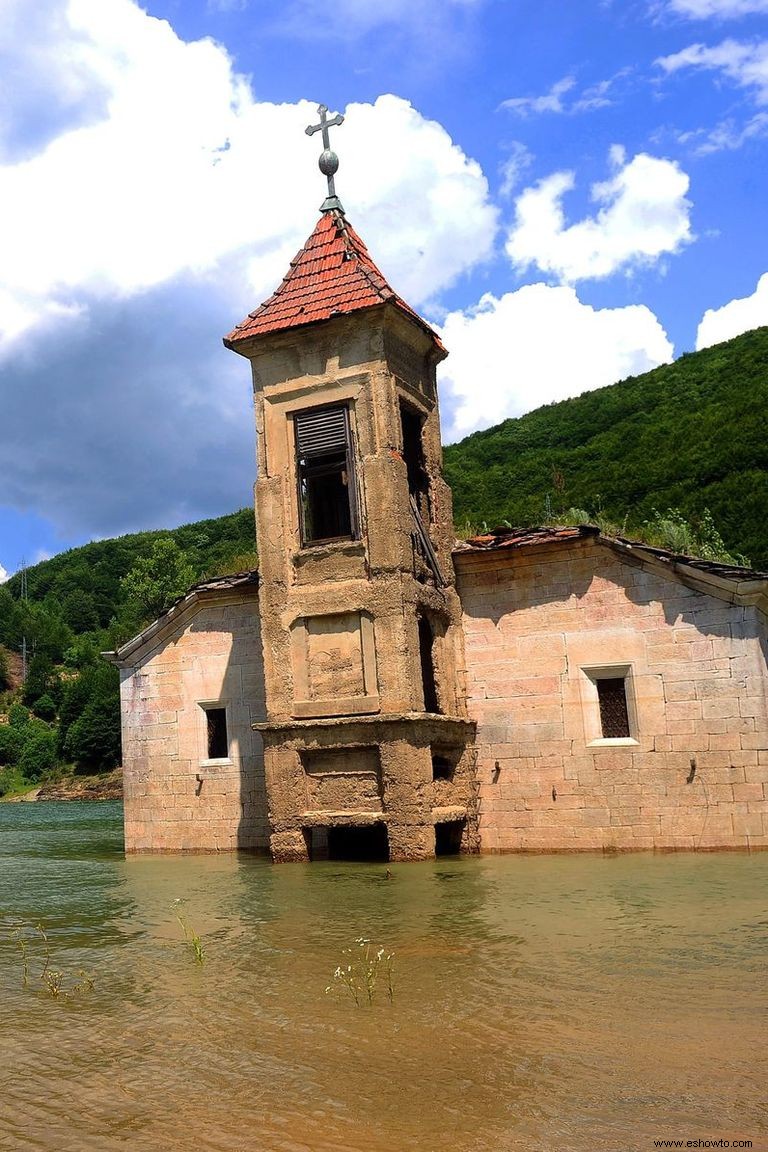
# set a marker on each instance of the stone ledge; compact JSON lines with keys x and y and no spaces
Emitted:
{"x":435,"y":719}
{"x":341,"y":819}
{"x":449,"y":814}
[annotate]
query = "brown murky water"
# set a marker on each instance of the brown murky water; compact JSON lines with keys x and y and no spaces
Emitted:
{"x":565,"y":1003}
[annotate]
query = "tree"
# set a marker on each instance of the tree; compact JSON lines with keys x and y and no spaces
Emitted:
{"x":10,"y":619}
{"x":89,"y":725}
{"x":157,"y":580}
{"x":79,"y":611}
{"x":5,"y":678}
{"x":41,"y":679}
{"x":45,"y":707}
{"x":93,"y":741}
{"x":38,"y":755}
{"x":11,"y":743}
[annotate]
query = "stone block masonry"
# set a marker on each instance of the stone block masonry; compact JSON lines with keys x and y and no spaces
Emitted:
{"x":542,"y":627}
{"x":177,"y":796}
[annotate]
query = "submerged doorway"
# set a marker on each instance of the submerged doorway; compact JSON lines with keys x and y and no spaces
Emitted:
{"x":448,"y":837}
{"x":364,"y":843}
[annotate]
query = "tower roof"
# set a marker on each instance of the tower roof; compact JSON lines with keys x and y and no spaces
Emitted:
{"x":333,"y":274}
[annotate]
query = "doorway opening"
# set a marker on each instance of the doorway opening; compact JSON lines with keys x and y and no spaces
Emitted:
{"x":448,"y":837}
{"x":366,"y":843}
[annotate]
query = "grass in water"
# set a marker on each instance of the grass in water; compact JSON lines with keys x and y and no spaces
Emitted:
{"x":361,"y":971}
{"x":53,"y":980}
{"x":190,"y":936}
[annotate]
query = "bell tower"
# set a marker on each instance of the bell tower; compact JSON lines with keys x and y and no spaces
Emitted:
{"x":368,"y":749}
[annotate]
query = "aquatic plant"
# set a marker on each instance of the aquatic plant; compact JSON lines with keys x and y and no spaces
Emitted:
{"x":53,"y":980}
{"x":21,"y":944}
{"x":190,"y":936}
{"x":360,"y":971}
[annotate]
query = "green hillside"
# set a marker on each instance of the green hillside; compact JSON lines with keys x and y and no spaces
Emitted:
{"x":689,"y":435}
{"x":85,"y":582}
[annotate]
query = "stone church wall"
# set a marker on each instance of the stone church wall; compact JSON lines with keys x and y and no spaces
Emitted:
{"x":541,"y":624}
{"x":176,"y":796}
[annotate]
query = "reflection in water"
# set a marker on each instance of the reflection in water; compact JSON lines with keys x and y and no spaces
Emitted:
{"x":561,"y":1003}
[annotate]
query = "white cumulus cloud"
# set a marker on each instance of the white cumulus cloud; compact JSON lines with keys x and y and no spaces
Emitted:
{"x":160,"y":204}
{"x":4,"y":575}
{"x":717,"y":9}
{"x":539,"y":344}
{"x":184,"y":167}
{"x":642,"y":214}
{"x":741,"y":315}
{"x":744,"y":63}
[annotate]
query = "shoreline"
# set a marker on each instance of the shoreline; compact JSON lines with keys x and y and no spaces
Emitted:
{"x":103,"y":786}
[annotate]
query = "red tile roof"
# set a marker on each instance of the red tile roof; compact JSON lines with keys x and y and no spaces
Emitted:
{"x":332,"y":274}
{"x":505,"y":537}
{"x":523,"y":537}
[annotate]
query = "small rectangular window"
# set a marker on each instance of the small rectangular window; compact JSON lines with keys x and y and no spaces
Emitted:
{"x":443,"y":765}
{"x":326,"y":476}
{"x":614,"y":715}
{"x":216,"y":729}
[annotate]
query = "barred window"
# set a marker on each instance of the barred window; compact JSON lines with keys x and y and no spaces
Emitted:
{"x":614,"y":714}
{"x":609,"y":705}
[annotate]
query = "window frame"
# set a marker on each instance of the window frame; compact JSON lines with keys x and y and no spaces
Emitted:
{"x":205,"y":707}
{"x":349,"y":467}
{"x":593,"y":728}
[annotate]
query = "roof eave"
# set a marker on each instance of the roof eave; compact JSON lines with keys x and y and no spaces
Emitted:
{"x":245,"y":345}
{"x":162,"y":625}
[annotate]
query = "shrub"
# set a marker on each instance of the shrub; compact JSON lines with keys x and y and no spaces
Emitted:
{"x":45,"y":708}
{"x":11,"y":780}
{"x":18,"y":716}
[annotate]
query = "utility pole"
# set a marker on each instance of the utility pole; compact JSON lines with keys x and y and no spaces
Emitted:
{"x":24,"y":636}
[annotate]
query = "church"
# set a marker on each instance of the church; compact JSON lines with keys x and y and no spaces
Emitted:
{"x":378,"y":690}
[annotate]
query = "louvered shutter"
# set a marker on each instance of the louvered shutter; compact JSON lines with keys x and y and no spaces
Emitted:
{"x":321,"y":432}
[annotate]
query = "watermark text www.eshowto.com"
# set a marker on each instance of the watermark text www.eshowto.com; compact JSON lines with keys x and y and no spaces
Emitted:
{"x":721,"y":1142}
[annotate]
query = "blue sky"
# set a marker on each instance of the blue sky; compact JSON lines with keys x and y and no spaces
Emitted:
{"x":572,"y":192}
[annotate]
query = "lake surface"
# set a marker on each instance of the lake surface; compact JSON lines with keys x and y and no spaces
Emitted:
{"x":541,"y":1003}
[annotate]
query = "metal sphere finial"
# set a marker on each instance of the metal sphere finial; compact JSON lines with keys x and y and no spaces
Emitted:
{"x":329,"y":161}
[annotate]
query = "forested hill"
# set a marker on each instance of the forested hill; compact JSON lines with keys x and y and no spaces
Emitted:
{"x":83,"y":584}
{"x":691,"y":435}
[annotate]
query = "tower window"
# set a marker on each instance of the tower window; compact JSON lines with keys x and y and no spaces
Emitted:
{"x":411,"y":424}
{"x":443,"y":765}
{"x":426,"y":654}
{"x":614,"y":714}
{"x":216,"y":733}
{"x":326,"y":477}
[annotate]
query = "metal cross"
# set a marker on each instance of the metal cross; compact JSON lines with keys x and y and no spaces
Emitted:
{"x":329,"y":161}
